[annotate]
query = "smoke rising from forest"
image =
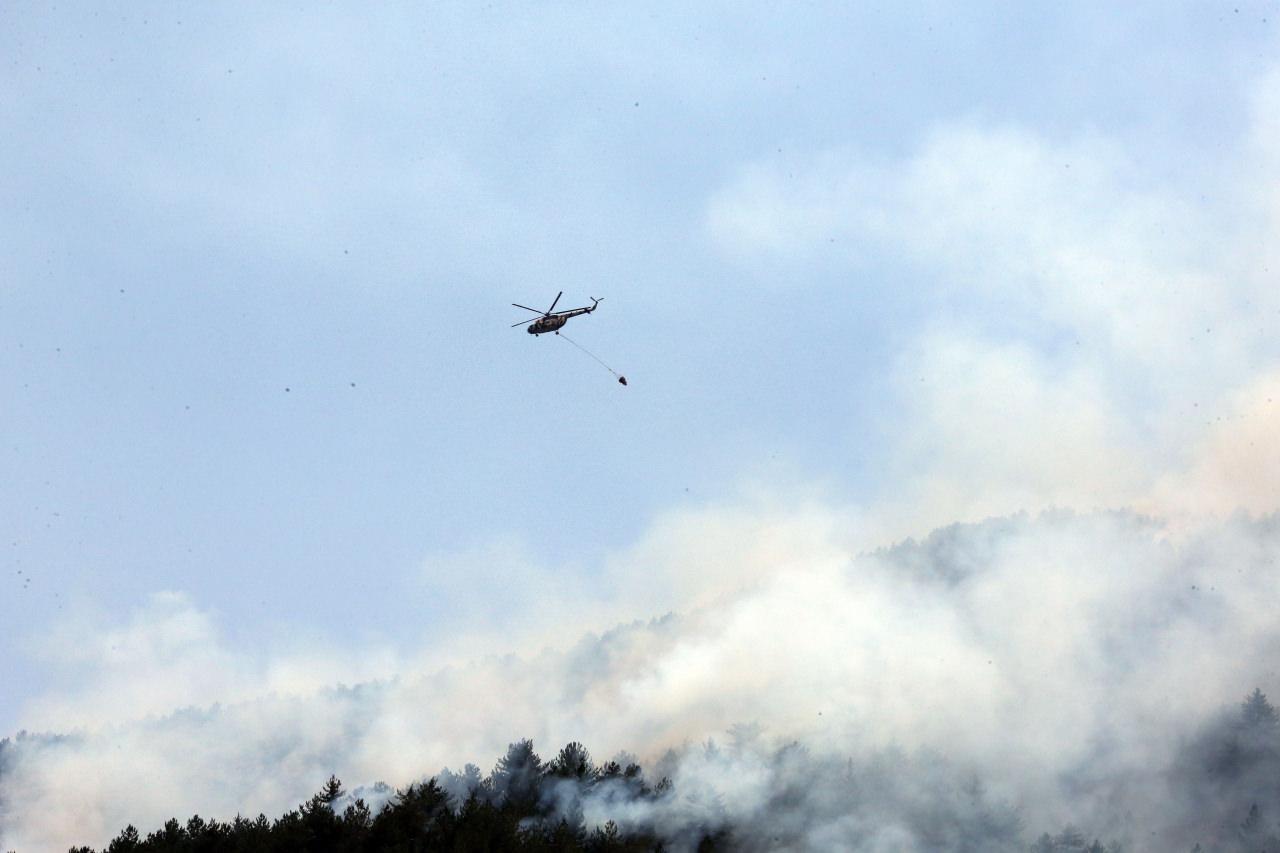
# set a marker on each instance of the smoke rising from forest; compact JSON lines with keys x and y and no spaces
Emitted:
{"x":1063,"y":662}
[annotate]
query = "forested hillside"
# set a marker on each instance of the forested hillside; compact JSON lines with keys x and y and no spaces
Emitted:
{"x":1222,"y":796}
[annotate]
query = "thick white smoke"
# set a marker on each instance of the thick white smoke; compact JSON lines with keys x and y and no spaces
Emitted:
{"x":1028,"y":650}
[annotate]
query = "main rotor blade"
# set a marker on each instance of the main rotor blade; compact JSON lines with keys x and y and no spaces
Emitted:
{"x":553,"y":304}
{"x":521,"y":323}
{"x":526,"y":307}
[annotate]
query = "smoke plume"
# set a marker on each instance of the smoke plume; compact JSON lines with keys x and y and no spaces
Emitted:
{"x":1060,"y":664}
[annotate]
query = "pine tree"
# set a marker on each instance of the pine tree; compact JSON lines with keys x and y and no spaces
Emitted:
{"x":516,"y":777}
{"x":1257,"y":712}
{"x":331,"y":791}
{"x":573,"y":762}
{"x":357,"y":816}
{"x":127,"y":841}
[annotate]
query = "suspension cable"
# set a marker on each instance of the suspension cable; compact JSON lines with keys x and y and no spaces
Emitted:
{"x":621,"y":379}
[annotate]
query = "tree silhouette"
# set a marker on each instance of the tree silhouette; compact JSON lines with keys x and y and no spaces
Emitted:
{"x":516,"y":777}
{"x":1257,"y":713}
{"x":126,"y":842}
{"x":572,"y":762}
{"x":331,"y":791}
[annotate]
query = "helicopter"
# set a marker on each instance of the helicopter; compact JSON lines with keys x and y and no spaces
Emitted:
{"x":551,"y":319}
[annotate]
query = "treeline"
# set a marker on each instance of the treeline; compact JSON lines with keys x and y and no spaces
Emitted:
{"x":524,"y":804}
{"x":1220,"y":794}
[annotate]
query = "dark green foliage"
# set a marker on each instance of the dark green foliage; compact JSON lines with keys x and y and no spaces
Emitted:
{"x":331,"y":791}
{"x":418,"y":818}
{"x":516,"y":779}
{"x":357,"y":816}
{"x":126,"y":841}
{"x":515,"y":808}
{"x":573,"y":762}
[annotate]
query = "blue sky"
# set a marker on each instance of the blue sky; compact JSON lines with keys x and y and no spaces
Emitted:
{"x":208,"y":205}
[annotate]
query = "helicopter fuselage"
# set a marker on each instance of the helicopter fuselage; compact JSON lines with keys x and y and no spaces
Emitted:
{"x":543,"y":325}
{"x":551,"y":322}
{"x":551,"y":319}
